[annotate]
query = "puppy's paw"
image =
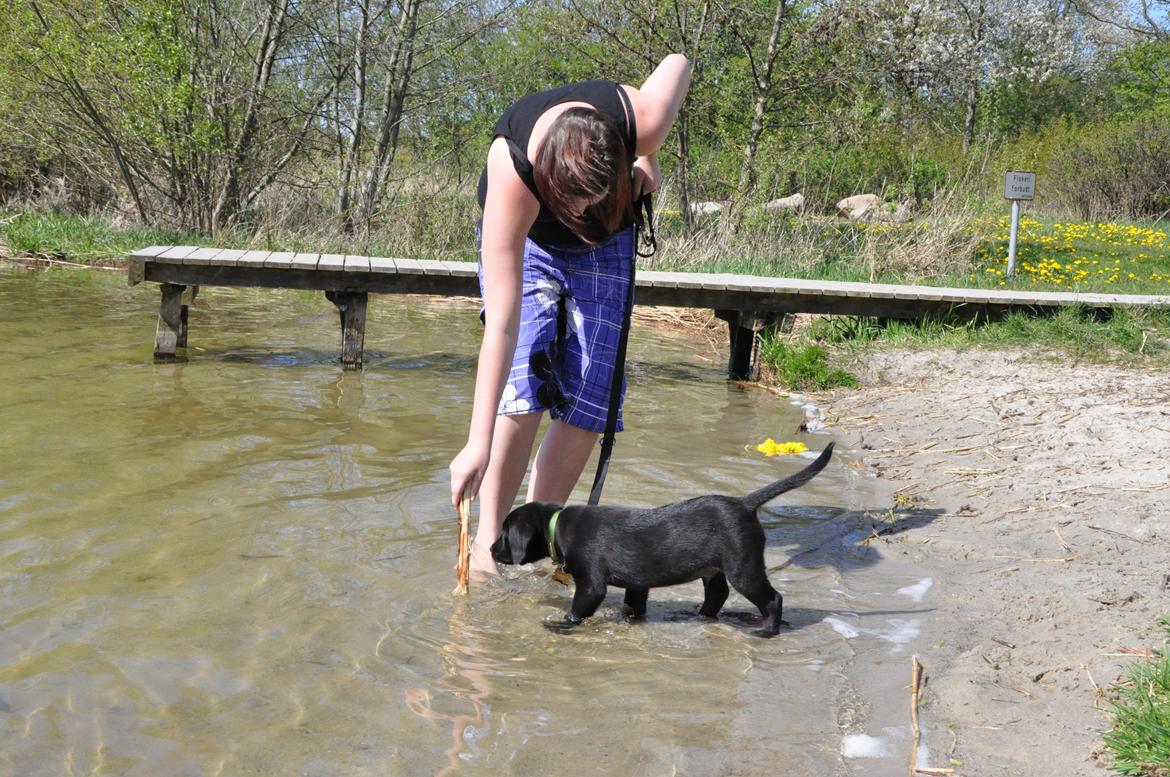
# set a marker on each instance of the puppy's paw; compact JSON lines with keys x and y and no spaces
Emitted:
{"x":763,"y":634}
{"x":558,"y":627}
{"x":562,"y":625}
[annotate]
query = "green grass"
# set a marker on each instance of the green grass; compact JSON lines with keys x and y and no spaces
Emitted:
{"x":1128,"y":336}
{"x":812,"y":359}
{"x":803,"y":365}
{"x":94,"y":240}
{"x":1140,"y":737}
{"x":81,"y":239}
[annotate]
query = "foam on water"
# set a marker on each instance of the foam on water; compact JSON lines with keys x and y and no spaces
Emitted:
{"x":864,"y":746}
{"x":917,"y":591}
{"x":843,"y":628}
{"x":901,"y":633}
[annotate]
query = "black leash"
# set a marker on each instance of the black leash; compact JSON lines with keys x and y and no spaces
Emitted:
{"x":643,"y":236}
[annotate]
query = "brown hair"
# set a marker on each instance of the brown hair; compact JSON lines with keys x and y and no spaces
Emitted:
{"x":582,"y":172}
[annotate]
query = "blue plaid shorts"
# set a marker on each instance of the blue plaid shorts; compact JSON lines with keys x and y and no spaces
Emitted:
{"x":571,"y":310}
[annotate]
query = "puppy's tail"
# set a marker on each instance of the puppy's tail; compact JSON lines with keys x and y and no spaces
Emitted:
{"x":757,"y":498}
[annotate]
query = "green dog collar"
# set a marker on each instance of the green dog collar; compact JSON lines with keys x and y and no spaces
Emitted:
{"x":552,"y":534}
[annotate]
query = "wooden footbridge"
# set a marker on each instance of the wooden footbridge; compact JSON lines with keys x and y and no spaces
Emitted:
{"x":748,"y":303}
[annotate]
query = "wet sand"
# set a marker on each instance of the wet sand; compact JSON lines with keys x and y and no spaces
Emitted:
{"x":1050,"y":560}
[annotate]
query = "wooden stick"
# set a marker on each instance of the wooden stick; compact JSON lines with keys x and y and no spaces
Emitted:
{"x":461,"y":569}
{"x":915,"y":681}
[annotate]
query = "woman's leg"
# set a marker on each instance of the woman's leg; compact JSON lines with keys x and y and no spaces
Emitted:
{"x":511,"y":449}
{"x":596,"y":289}
{"x":563,"y":453}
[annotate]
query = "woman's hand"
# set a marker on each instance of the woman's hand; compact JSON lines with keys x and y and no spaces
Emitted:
{"x":467,"y":470}
{"x":647,"y":176}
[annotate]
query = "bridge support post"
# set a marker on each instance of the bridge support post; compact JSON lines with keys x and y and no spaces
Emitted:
{"x":743,"y":328}
{"x":351,"y":307}
{"x":171,"y":332}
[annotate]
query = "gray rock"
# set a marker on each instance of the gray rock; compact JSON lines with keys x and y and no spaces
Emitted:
{"x":706,"y":208}
{"x":794,"y":203}
{"x":858,"y":206}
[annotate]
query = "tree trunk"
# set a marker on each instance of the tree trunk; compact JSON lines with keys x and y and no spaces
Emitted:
{"x":227,"y":207}
{"x":969,"y":124}
{"x":694,"y":47}
{"x":352,"y":146}
{"x":763,"y":86}
{"x":398,"y":73}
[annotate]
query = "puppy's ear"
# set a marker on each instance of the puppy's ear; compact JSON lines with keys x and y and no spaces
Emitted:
{"x":519,"y":534}
{"x":527,"y":531}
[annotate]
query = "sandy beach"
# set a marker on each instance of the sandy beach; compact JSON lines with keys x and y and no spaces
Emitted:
{"x":1050,"y":558}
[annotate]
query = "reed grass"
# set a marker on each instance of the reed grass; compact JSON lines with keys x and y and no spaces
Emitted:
{"x":1139,"y":739}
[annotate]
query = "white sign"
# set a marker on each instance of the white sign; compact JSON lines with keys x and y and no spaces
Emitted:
{"x":1019,"y":185}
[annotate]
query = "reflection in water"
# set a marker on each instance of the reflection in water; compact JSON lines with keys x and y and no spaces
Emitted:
{"x":463,"y":665}
{"x":240,"y":564}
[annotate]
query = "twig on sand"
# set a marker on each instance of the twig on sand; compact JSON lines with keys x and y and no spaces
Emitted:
{"x":763,"y":386}
{"x":915,"y":682}
{"x":915,"y":687}
{"x":1114,"y":533}
{"x":1035,"y":558}
{"x":1097,"y":694}
{"x":1128,"y":651}
{"x":1060,"y":539}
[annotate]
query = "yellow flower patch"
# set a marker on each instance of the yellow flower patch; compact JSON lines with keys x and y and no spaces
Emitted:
{"x":770,"y":447}
{"x":1079,"y":254}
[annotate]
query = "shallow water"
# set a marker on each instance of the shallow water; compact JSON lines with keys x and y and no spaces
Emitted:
{"x":243,"y":564}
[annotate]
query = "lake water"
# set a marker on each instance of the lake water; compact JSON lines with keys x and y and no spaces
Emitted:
{"x":242,"y":564}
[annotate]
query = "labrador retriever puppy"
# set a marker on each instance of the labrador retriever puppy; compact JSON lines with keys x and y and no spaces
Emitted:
{"x":716,"y":538}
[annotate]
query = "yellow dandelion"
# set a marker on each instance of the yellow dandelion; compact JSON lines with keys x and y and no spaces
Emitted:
{"x":770,"y":447}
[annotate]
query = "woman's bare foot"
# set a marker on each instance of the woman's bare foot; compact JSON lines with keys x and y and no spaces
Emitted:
{"x":482,"y":565}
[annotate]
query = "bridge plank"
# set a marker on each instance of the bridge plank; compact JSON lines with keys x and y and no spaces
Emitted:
{"x":229,"y":257}
{"x":383,"y":264}
{"x":468,"y":269}
{"x":149,"y":252}
{"x":175,"y":254}
{"x":357,"y":263}
{"x":333,"y":262}
{"x":431,"y":267}
{"x":301,"y":261}
{"x":202,"y":256}
{"x":281,"y":259}
{"x":253,"y":259}
{"x":657,"y":279}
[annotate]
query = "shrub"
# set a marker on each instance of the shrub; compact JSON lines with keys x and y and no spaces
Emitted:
{"x":1117,"y":170}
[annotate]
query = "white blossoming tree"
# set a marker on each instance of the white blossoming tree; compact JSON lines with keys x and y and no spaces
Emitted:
{"x":957,"y":49}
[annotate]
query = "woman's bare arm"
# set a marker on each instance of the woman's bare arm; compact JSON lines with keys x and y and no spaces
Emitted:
{"x":657,"y":102}
{"x":509,"y":212}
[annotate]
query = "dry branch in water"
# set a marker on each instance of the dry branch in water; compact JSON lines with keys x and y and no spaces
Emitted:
{"x":461,"y":570}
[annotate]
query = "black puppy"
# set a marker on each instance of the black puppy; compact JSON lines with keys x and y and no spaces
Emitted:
{"x":716,"y":538}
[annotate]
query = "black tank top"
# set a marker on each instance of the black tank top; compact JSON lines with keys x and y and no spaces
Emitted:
{"x":515,"y":126}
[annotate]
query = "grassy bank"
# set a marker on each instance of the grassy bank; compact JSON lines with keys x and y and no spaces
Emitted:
{"x":818,"y":356}
{"x":956,"y":245}
{"x":1140,"y":737}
